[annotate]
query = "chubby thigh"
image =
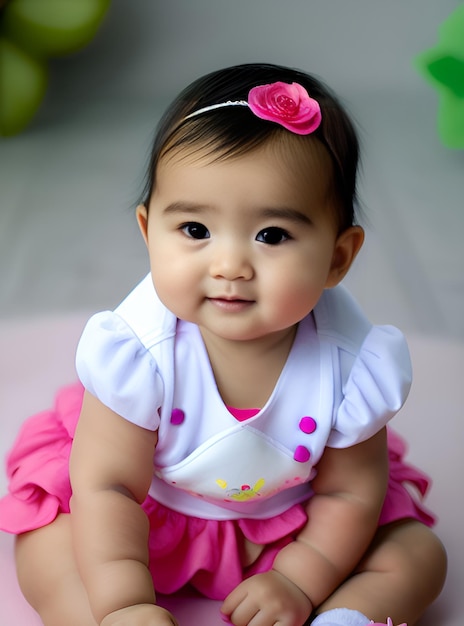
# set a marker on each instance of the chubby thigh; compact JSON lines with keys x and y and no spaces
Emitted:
{"x":48,"y":576}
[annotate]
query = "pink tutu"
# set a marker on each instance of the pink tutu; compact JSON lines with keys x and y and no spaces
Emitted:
{"x":183,"y":549}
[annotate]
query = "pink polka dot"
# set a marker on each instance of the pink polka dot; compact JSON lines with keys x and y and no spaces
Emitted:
{"x":302,"y":454}
{"x":308,"y":424}
{"x":177,"y":417}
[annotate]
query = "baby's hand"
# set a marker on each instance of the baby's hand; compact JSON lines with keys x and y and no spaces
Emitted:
{"x":268,"y":599}
{"x":140,"y":615}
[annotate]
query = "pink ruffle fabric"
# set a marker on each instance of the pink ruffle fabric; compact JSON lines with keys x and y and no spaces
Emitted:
{"x":403,"y":481}
{"x":206,"y":553}
{"x":37,"y":466}
{"x":183,"y":549}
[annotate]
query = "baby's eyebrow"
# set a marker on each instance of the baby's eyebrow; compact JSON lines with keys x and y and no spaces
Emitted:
{"x":184,"y":207}
{"x":286,"y":213}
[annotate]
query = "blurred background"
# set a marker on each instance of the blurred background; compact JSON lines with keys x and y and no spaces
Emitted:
{"x":69,"y":183}
{"x":70,"y":180}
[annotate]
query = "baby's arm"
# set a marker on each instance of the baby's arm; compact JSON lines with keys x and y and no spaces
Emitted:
{"x":342,"y":518}
{"x":111,"y":470}
{"x":349,"y":490}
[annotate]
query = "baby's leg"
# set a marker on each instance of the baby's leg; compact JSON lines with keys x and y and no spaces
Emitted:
{"x":48,"y":575}
{"x":400,"y":575}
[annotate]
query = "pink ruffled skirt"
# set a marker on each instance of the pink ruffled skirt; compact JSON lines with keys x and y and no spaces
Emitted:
{"x":183,"y":549}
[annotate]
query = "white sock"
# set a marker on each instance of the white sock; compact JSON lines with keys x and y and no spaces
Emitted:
{"x":341,"y":617}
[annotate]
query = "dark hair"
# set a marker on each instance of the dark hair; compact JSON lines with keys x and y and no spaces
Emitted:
{"x":234,"y":130}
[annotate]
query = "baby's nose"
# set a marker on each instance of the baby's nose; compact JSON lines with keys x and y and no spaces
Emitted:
{"x":231,"y":262}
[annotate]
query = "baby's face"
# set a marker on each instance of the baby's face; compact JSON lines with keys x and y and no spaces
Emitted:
{"x":243,"y":246}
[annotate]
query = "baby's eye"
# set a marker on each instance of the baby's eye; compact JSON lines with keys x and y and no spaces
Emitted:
{"x":272,"y":235}
{"x":195,"y":230}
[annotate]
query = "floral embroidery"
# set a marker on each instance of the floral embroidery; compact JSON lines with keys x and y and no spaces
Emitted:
{"x":246,"y":492}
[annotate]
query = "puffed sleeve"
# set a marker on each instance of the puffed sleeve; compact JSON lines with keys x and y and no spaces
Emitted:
{"x":114,"y":366}
{"x":375,"y":389}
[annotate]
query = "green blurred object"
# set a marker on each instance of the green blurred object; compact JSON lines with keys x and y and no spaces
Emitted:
{"x":443,"y":67}
{"x":23,"y":81}
{"x":52,"y":28}
{"x":31,"y":31}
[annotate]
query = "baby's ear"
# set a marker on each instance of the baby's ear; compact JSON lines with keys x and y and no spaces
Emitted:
{"x":346,"y":248}
{"x":142,"y":220}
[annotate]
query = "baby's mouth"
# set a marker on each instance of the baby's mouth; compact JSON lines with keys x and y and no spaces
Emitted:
{"x":231,"y":303}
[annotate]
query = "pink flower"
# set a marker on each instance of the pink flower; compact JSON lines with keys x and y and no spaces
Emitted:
{"x":286,"y":104}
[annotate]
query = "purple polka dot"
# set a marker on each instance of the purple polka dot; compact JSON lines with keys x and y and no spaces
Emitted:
{"x":308,"y":424}
{"x":302,"y":454}
{"x":177,"y":417}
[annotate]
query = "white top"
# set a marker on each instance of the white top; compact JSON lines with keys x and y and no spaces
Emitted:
{"x":344,"y":379}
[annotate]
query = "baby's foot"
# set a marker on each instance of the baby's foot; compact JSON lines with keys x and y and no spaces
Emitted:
{"x":341,"y":617}
{"x":346,"y":617}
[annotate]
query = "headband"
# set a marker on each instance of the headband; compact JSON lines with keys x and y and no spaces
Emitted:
{"x":287,"y":104}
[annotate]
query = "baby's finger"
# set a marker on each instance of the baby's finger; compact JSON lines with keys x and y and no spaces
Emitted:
{"x":239,"y":609}
{"x":235,"y":597}
{"x":245,"y":614}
